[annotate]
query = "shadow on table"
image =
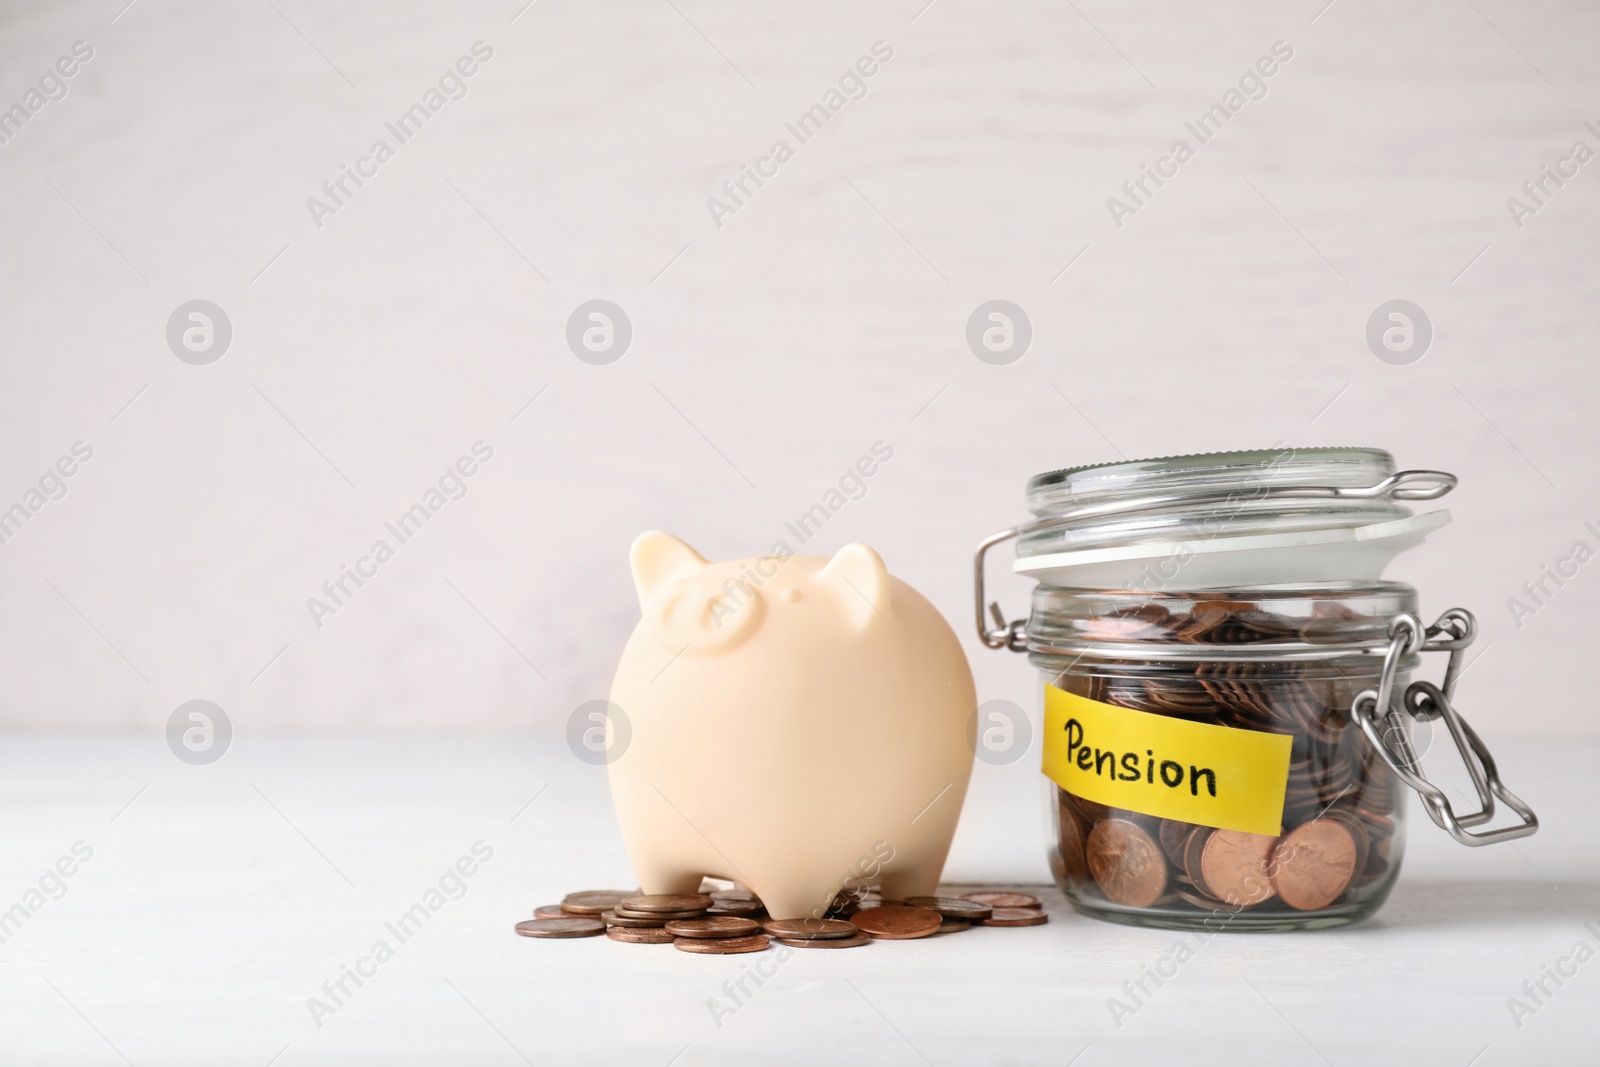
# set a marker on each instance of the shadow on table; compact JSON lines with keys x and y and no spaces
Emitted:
{"x":1499,"y":903}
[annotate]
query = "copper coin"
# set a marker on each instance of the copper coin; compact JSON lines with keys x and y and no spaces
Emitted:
{"x":735,"y":907}
{"x":1193,"y":851}
{"x":898,"y":922}
{"x":664,"y":916}
{"x":1374,"y":871}
{"x":716,"y":926}
{"x":1313,"y":864}
{"x":1127,"y":864}
{"x":722,"y":945}
{"x":810,"y":929}
{"x":955,"y":926}
{"x":593,"y":901}
{"x":659,"y":902}
{"x":639,"y":936}
{"x":1201,"y":902}
{"x":1173,"y":835}
{"x":721,"y":895}
{"x":1072,"y":832}
{"x":1003,"y":899}
{"x":1376,"y":820}
{"x":575,"y":926}
{"x":1358,"y":833}
{"x":1233,"y":865}
{"x":1091,"y":811}
{"x":611,"y":918}
{"x":1015,"y":917}
{"x":551,"y":911}
{"x":952,"y":907}
{"x":825,"y":942}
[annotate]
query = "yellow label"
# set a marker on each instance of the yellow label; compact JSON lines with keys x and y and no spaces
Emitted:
{"x":1158,"y":765}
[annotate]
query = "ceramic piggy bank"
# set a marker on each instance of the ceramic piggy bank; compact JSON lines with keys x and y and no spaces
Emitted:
{"x":798,"y":724}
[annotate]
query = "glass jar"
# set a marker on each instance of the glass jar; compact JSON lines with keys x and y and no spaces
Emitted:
{"x":1228,"y":703}
{"x":1283,"y":662}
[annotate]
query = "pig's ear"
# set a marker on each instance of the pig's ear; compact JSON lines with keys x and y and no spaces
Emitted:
{"x":862,"y":580}
{"x":659,"y":559}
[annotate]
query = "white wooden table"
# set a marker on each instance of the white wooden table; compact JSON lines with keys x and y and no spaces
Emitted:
{"x":218,"y":901}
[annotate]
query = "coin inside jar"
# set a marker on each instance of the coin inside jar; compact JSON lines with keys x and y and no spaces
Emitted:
{"x":898,"y":922}
{"x":1192,"y":852}
{"x":1173,"y":835}
{"x":714,"y":926}
{"x":1358,"y":833}
{"x":1127,"y":864}
{"x":952,"y":907}
{"x":1197,"y":900}
{"x":1313,"y":864}
{"x":809,"y":929}
{"x":576,"y":926}
{"x":1074,"y":833}
{"x":1233,"y":865}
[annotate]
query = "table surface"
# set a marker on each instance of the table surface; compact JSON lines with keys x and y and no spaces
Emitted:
{"x":216,"y":901}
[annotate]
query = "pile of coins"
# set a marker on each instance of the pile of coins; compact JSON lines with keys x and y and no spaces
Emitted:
{"x":726,"y":921}
{"x":1339,"y":804}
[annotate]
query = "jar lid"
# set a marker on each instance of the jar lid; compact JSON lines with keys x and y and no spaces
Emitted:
{"x":1053,"y":491}
{"x":1254,"y":517}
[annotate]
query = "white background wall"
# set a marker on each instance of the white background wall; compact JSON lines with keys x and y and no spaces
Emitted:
{"x":769,"y":353}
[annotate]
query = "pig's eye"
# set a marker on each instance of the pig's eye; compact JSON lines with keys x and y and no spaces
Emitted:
{"x":707,"y":614}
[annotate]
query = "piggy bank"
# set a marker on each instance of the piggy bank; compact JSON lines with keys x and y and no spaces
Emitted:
{"x":799,"y":724}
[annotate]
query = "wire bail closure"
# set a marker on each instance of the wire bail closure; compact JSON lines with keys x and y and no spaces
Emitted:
{"x":1004,"y":634}
{"x":1373,"y":710}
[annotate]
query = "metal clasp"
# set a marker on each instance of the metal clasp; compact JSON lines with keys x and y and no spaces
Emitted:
{"x":1004,"y":634}
{"x":1374,"y":712}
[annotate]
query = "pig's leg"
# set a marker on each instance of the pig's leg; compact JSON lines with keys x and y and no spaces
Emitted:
{"x":796,"y":898}
{"x":659,"y":875}
{"x":912,"y":873}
